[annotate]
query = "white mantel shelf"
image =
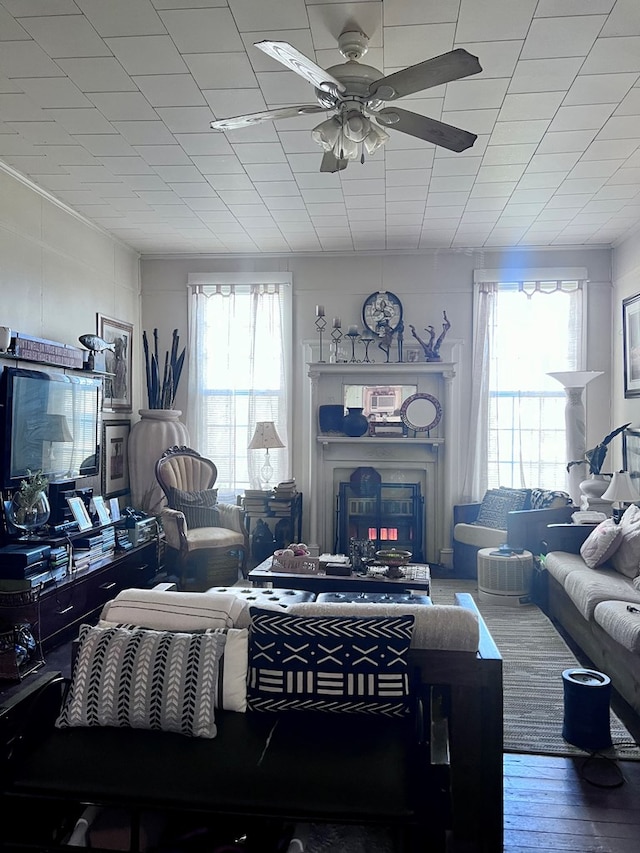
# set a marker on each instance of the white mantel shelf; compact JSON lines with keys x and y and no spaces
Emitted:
{"x":372,"y":439}
{"x":405,"y":368}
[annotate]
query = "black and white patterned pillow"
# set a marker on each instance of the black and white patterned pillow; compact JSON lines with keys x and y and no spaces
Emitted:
{"x":545,"y":498}
{"x":336,"y":664}
{"x":144,"y":679}
{"x":199,"y":508}
{"x":496,"y":503}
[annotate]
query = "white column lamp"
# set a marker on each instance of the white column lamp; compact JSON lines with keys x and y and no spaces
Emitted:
{"x":574,"y":383}
{"x":265,"y":437}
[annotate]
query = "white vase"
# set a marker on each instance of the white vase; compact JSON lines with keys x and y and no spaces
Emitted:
{"x":157,"y":430}
{"x":592,"y":490}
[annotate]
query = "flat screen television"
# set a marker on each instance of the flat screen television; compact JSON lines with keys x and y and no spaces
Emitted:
{"x":50,"y":423}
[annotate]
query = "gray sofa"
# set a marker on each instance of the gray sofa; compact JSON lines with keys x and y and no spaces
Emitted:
{"x":591,"y":604}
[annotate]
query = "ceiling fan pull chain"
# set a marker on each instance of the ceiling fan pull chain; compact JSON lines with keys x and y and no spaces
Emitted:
{"x":362,"y":158}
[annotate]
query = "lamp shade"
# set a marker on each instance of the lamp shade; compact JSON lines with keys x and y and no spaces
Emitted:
{"x":265,"y":436}
{"x":621,"y":489}
{"x":575,"y":378}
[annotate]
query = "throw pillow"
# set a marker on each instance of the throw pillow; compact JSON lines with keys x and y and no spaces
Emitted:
{"x":333,"y":663}
{"x":497,"y":503}
{"x":601,"y":544}
{"x":546,"y":498}
{"x":626,"y":559}
{"x":198,"y":507}
{"x":144,"y":679}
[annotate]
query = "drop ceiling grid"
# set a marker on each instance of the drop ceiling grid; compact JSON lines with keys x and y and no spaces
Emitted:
{"x":107,"y":106}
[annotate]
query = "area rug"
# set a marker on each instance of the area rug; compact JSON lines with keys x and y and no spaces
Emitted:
{"x":534,"y":657}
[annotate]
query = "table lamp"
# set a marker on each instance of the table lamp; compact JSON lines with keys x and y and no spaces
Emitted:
{"x":265,"y":437}
{"x":621,"y":491}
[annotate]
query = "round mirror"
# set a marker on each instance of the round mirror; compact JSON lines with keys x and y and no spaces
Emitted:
{"x":421,"y":412}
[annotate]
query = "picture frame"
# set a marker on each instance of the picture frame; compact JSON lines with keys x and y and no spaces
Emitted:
{"x":118,"y":363}
{"x":101,"y":510}
{"x":80,"y":514}
{"x":631,"y":345}
{"x":115,"y":464}
{"x":114,"y":509}
{"x":631,"y":454}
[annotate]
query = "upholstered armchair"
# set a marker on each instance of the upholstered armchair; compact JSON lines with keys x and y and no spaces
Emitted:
{"x":209,"y":540}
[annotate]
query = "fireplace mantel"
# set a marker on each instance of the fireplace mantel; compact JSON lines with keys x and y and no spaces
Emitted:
{"x":428,"y":459}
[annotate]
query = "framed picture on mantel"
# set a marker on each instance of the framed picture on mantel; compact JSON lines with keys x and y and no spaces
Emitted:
{"x":117,"y":385}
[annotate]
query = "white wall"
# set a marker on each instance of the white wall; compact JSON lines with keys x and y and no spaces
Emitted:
{"x":426,"y":283}
{"x":57,"y":271}
{"x":626,"y":282}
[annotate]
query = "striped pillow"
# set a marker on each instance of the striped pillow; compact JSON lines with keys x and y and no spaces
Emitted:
{"x":199,"y":508}
{"x":143,"y":679}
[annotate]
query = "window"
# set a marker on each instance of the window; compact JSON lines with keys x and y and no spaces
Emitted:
{"x":534,"y":333}
{"x":524,"y":328}
{"x":239,"y":373}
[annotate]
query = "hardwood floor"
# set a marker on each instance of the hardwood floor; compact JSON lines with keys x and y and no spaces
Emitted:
{"x":549,"y":805}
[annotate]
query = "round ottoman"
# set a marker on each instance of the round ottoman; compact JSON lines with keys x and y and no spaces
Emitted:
{"x":265,"y":595}
{"x":586,"y":723}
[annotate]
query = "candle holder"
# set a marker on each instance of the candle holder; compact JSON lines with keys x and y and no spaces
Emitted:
{"x":336,"y":337}
{"x":353,"y":337}
{"x":321,"y":325}
{"x":367,"y":343}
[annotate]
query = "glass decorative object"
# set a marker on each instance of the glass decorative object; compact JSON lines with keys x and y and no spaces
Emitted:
{"x":29,"y":516}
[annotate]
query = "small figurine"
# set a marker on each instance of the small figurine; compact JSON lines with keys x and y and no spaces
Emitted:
{"x":385,"y":332}
{"x":432,"y":350}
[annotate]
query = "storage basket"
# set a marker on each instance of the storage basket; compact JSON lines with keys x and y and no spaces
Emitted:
{"x":304,"y":565}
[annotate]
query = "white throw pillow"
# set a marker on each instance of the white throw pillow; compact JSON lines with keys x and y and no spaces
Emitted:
{"x":626,"y":559}
{"x":602,"y":543}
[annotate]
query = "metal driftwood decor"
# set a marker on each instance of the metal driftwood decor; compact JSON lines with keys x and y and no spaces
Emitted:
{"x":161,"y":391}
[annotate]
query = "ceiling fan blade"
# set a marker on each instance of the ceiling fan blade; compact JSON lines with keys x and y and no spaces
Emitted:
{"x":301,"y":64}
{"x":432,"y":72}
{"x":267,"y":115}
{"x":426,"y":128}
{"x":330,"y":163}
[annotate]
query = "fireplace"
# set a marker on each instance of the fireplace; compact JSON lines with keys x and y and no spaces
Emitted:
{"x":418,"y":468}
{"x":387,"y":514}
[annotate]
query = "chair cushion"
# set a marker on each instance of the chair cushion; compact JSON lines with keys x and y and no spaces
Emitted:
{"x":560,"y":564}
{"x":197,"y":506}
{"x":496,"y":503}
{"x":329,"y":663}
{"x":142,"y":679}
{"x":479,"y":537}
{"x":588,"y":587}
{"x":601,"y":544}
{"x":213,"y":537}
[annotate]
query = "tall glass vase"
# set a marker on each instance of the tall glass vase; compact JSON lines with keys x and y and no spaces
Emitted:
{"x":29,"y":518}
{"x":155,"y":432}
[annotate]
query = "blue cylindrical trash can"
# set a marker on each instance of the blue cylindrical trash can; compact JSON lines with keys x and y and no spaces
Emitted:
{"x":587,"y":694}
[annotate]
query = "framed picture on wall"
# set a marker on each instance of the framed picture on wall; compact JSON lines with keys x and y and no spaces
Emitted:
{"x":115,"y":464}
{"x":631,"y":344}
{"x":631,"y":454}
{"x":117,"y":384}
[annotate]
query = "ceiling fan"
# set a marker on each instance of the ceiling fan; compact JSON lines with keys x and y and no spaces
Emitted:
{"x":357,"y":93}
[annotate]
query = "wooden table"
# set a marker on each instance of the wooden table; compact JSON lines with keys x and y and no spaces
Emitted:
{"x":416,"y":576}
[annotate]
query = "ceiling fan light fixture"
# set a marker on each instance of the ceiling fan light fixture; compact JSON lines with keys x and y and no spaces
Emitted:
{"x":356,"y":126}
{"x":375,"y":139}
{"x":328,"y":133}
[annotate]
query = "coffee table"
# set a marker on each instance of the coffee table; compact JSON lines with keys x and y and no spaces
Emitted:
{"x":416,"y":576}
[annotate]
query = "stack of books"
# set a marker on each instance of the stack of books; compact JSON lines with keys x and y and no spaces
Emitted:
{"x":280,"y":503}
{"x":285,"y":490}
{"x":256,"y":501}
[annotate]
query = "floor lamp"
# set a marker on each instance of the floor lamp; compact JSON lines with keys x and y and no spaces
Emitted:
{"x":574,"y":383}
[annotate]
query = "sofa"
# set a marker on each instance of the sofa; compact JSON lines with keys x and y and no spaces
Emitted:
{"x":593,"y":592}
{"x":498,"y":519}
{"x":426,"y":762}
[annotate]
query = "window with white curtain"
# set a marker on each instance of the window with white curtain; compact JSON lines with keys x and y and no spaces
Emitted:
{"x":239,"y":372}
{"x":523,"y":330}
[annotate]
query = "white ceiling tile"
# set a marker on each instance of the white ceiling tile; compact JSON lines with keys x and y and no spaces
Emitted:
{"x":122,"y":17}
{"x":126,"y":166}
{"x":514,"y":132}
{"x":475,"y":94}
{"x":544,"y":75}
{"x":26,"y":59}
{"x":185,"y":119}
{"x":80,"y":120}
{"x":475,"y":121}
{"x":499,"y":155}
{"x":407,"y":46}
{"x":553,"y":37}
{"x":170,"y":90}
{"x":35,"y":165}
{"x":610,"y":149}
{"x":144,"y":132}
{"x":494,"y":19}
{"x":65,"y":36}
{"x":178,"y":174}
{"x":495,"y":173}
{"x":599,"y":88}
{"x":281,"y":88}
{"x":408,"y":177}
{"x":105,"y":144}
{"x":452,"y":166}
{"x":443,"y":184}
{"x":269,"y":13}
{"x":234,"y":102}
{"x":222,"y":70}
{"x":497,"y":58}
{"x":595,"y":168}
{"x":53,"y":92}
{"x":123,"y":106}
{"x":581,"y":117}
{"x":569,"y":140}
{"x":262,"y":152}
{"x":494,"y":189}
{"x":147,"y":55}
{"x":553,"y":162}
{"x":623,"y":20}
{"x":328,"y":20}
{"x":202,"y":30}
{"x":270,"y":189}
{"x":204,"y":143}
{"x":529,"y":106}
{"x":611,"y":55}
{"x":163,"y":155}
{"x":621,"y":127}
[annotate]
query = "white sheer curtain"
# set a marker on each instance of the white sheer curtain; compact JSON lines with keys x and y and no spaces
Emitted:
{"x":239,"y":371}
{"x":523,"y":329}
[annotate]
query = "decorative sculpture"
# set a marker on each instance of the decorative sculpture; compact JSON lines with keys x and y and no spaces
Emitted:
{"x":432,"y":350}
